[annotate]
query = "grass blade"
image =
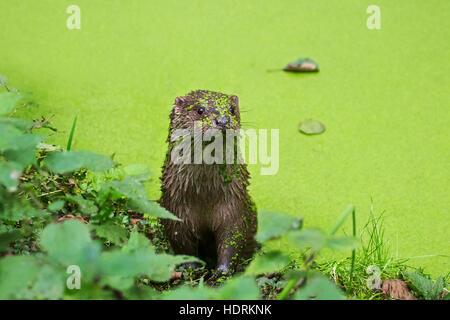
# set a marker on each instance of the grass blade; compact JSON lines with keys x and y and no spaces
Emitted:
{"x":354,"y":250}
{"x":72,"y":131}
{"x":340,"y":221}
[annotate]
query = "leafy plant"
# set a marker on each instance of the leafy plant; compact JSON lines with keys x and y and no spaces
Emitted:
{"x":427,"y":288}
{"x":66,"y":209}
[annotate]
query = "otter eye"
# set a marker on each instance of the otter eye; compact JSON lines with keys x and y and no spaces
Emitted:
{"x":231,"y":109}
{"x":200,"y":110}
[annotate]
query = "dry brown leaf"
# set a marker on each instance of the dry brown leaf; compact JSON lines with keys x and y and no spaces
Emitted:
{"x":70,"y":217}
{"x":134,"y":221}
{"x":176,"y":275}
{"x":397,"y":289}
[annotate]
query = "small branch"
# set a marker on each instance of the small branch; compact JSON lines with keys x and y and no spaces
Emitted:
{"x":48,"y":193}
{"x":17,"y":109}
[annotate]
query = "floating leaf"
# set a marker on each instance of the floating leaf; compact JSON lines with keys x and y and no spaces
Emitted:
{"x":302,"y":65}
{"x":311,"y":126}
{"x":68,"y":161}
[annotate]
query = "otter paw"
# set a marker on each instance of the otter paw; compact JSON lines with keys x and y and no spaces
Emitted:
{"x":221,"y":274}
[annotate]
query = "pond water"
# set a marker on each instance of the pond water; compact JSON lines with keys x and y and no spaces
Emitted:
{"x":383,"y":96}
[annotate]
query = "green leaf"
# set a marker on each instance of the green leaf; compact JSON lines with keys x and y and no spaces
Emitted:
{"x":162,"y":265}
{"x":9,"y":175}
{"x":56,"y":206}
{"x":140,"y":293}
{"x":9,"y":101}
{"x":137,"y":242}
{"x":49,"y":283}
{"x":158,"y":267}
{"x":133,"y":189}
{"x":239,"y":288}
{"x":437,"y":288}
{"x":14,"y":209}
{"x":8,"y":132}
{"x":151,"y":208}
{"x":111,"y":232}
{"x":20,"y":124}
{"x":65,"y":241}
{"x":197,"y":293}
{"x":271,"y":261}
{"x":272,"y":225}
{"x":84,"y":205}
{"x":421,"y":284}
{"x":17,"y":273}
{"x":119,"y":283}
{"x":314,"y":239}
{"x":21,"y":149}
{"x":319,"y":288}
{"x":68,"y":161}
{"x":7,"y":237}
{"x":24,"y":141}
{"x":426,"y":287}
{"x":311,"y":126}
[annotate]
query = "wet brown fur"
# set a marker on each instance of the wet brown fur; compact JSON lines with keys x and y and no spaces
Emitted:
{"x":219,"y":219}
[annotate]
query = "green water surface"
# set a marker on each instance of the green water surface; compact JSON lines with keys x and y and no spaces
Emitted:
{"x":383,"y":95}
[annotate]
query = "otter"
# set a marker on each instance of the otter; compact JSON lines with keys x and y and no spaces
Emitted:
{"x":218,"y":217}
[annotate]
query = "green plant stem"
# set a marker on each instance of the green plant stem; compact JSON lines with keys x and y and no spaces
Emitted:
{"x":295,"y":282}
{"x":354,"y":250}
{"x":72,"y":131}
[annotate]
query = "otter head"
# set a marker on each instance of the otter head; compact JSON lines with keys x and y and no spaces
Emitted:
{"x":206,"y":110}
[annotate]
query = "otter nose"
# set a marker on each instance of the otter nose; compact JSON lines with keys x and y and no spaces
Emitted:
{"x":221,"y":121}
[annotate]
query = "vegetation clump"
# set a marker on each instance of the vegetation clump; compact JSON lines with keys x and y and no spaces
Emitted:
{"x":78,"y":225}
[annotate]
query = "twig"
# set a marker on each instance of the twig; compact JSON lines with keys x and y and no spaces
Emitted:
{"x":48,"y":193}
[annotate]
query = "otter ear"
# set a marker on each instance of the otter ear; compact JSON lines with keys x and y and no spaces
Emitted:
{"x":179,"y":104}
{"x":235,"y":100}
